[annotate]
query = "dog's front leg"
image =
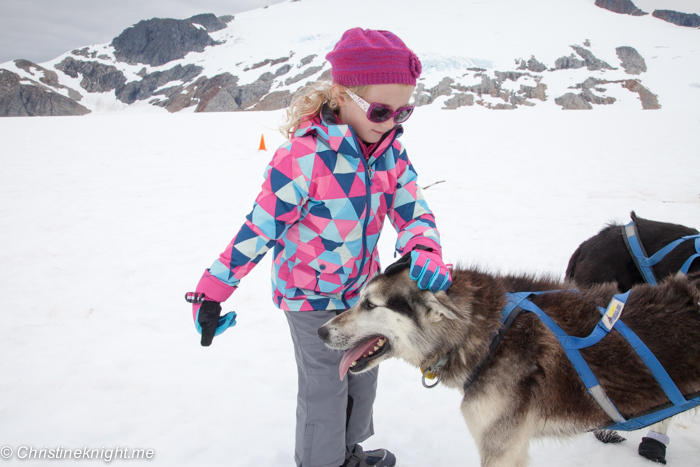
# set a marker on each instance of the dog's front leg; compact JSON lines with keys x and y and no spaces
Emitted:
{"x":502,"y":436}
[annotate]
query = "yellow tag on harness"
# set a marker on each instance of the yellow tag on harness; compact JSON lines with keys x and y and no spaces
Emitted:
{"x":612,"y":314}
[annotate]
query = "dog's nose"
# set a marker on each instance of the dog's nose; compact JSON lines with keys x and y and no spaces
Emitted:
{"x":323,"y":333}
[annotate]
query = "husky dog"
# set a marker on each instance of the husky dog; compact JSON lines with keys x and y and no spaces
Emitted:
{"x":606,"y":258}
{"x":527,"y":388}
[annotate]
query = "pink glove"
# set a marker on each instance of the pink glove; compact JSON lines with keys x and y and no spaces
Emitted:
{"x":428,"y":270}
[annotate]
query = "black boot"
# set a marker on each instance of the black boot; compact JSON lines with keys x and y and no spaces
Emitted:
{"x":653,"y":450}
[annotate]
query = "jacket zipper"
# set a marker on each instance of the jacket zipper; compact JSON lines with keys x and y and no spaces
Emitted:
{"x":368,"y":202}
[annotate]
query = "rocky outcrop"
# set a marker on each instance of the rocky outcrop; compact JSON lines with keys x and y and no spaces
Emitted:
{"x":220,"y":93}
{"x":679,"y":19}
{"x":423,"y":96}
{"x":305,"y":74}
{"x":20,"y":98}
{"x":460,"y":99}
{"x":625,"y":7}
{"x":631,"y":61}
{"x":158,"y":41}
{"x":210,"y":22}
{"x":586,"y":97}
{"x":275,"y":101}
{"x":531,"y":65}
{"x":649,"y":100}
{"x":97,"y":77}
{"x":589,"y":61}
{"x":568,"y":63}
{"x":571,"y":101}
{"x":49,"y":78}
{"x":141,"y":90}
{"x":587,"y":91}
{"x":469,"y":95}
{"x":202,"y":92}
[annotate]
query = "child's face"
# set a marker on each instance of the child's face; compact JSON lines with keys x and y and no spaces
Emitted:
{"x":350,"y":113}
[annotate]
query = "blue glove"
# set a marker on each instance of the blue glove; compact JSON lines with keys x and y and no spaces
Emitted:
{"x":209,"y":322}
{"x":428,"y":270}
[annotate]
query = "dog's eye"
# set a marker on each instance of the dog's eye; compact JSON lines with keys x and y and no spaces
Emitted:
{"x":369,"y":305}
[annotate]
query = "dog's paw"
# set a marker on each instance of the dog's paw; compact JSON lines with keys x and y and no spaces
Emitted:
{"x":608,"y":436}
{"x":653,"y":450}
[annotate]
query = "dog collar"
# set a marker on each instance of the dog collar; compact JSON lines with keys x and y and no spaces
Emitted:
{"x":432,"y":372}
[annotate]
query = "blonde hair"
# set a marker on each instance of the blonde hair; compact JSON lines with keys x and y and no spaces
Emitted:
{"x":308,"y":100}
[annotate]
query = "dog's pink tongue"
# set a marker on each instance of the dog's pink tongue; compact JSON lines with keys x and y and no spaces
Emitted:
{"x":355,"y":353}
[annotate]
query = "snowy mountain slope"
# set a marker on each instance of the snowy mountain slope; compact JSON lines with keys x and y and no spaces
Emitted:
{"x":495,"y":54}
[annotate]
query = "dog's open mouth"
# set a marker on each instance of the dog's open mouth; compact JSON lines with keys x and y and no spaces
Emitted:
{"x":357,"y":358}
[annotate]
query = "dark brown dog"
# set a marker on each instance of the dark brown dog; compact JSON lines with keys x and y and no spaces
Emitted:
{"x":528,"y":388}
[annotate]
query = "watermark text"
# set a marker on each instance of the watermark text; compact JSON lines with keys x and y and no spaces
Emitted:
{"x":105,"y":454}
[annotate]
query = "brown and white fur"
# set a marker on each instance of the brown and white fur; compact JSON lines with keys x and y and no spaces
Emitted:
{"x":528,"y":388}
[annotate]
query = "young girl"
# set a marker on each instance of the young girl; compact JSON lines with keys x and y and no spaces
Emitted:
{"x":322,"y":206}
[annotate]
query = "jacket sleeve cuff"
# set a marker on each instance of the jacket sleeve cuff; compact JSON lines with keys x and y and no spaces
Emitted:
{"x":425,"y":241}
{"x":214,"y":289}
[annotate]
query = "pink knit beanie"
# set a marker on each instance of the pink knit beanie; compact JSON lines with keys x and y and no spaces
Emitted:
{"x":366,"y":56}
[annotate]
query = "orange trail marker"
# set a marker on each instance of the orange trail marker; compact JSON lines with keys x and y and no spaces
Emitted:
{"x":262,"y":143}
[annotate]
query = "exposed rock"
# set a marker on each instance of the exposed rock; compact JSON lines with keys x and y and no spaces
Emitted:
{"x":275,"y":100}
{"x":283,"y":70}
{"x":532,"y":65}
{"x":268,"y":61}
{"x":537,"y":92}
{"x":84,"y":52}
{"x":306,"y":60}
{"x":487,"y":86}
{"x":571,"y":101}
{"x":509,"y":75}
{"x":681,"y":19}
{"x":631,"y":61}
{"x":218,"y":94}
{"x":650,"y":101}
{"x":443,"y":88}
{"x":591,"y":62}
{"x":326,"y":75}
{"x":141,"y":90}
{"x":305,"y":74}
{"x":97,"y":77}
{"x":210,"y":22}
{"x":215,"y":94}
{"x":567,"y":63}
{"x":590,"y":85}
{"x":50,"y":77}
{"x":157,"y":41}
{"x":625,"y":7}
{"x":250,"y":94}
{"x":18,"y":99}
{"x":459,"y":100}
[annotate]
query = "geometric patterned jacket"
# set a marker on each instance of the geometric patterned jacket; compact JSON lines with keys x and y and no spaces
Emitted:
{"x":322,"y":207}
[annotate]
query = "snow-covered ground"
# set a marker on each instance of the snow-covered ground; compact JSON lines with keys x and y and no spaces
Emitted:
{"x":106,"y":222}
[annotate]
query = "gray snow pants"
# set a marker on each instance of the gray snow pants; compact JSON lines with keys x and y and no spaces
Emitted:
{"x":331,"y":414}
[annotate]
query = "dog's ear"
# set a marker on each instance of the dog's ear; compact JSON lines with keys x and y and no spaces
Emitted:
{"x":398,"y":266}
{"x":441,"y":307}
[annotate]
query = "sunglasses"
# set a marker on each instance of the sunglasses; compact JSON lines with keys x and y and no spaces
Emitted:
{"x":379,"y":113}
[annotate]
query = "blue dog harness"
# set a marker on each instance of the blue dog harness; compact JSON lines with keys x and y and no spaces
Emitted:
{"x":519,"y":302}
{"x":644,"y":263}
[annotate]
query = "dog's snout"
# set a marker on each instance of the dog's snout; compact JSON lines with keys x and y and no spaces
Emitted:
{"x":322,"y":332}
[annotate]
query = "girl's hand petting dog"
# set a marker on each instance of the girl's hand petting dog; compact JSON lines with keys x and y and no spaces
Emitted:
{"x":428,"y":270}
